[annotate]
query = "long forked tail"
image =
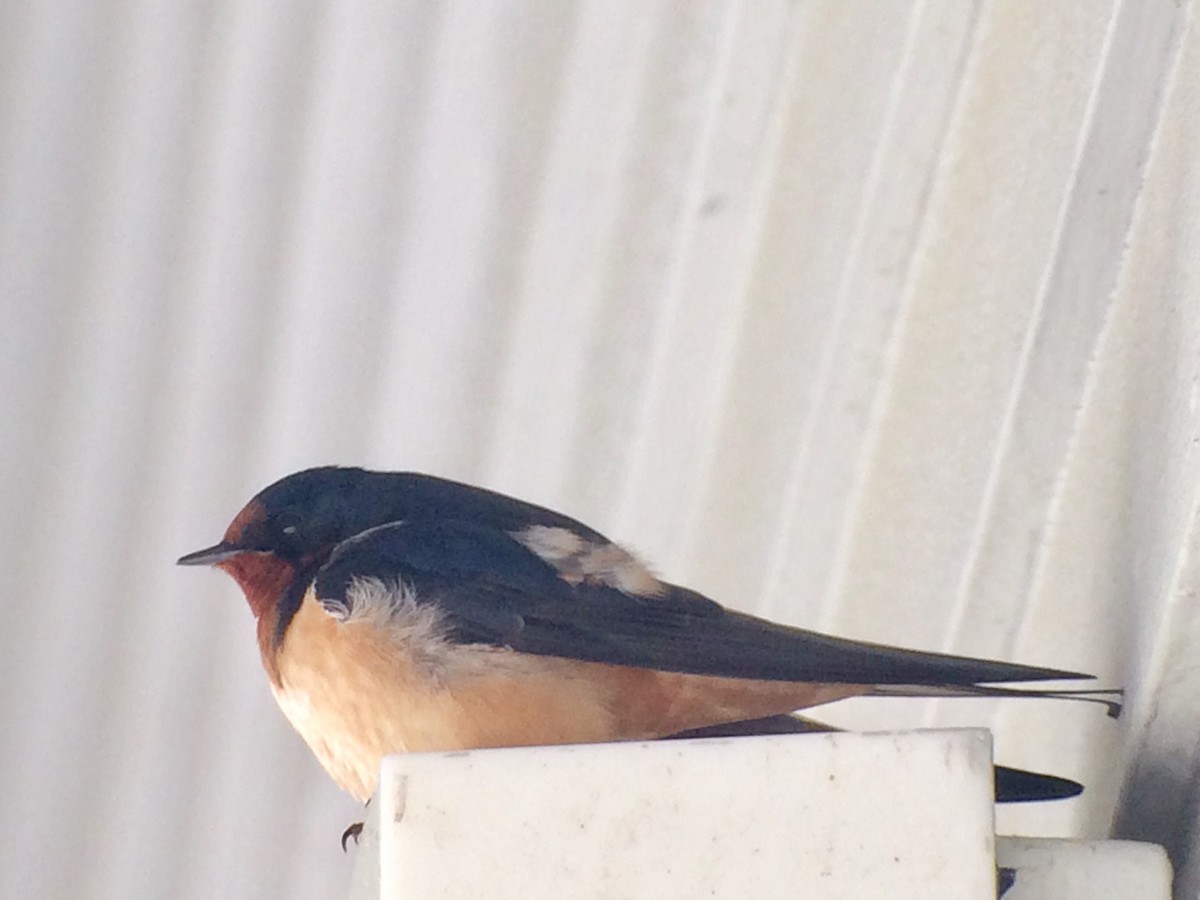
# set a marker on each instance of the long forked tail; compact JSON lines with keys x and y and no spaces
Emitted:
{"x":1110,"y":699}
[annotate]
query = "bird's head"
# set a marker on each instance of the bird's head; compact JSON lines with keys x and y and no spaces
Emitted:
{"x":290,"y":528}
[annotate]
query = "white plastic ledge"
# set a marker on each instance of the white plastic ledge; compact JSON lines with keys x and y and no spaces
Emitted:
{"x":898,"y":815}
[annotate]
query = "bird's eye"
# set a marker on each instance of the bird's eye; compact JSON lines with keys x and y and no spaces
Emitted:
{"x":287,"y":523}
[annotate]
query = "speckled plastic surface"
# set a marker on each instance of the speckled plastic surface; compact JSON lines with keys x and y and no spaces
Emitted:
{"x":1049,"y":869}
{"x":900,"y":815}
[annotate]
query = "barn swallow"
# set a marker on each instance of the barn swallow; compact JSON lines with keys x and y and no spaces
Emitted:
{"x":403,"y":612}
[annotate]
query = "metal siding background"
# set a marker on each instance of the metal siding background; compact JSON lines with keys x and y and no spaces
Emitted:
{"x":875,"y":318}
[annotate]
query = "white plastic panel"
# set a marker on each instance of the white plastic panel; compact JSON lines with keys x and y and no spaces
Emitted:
{"x":839,"y":816}
{"x":1049,"y":869}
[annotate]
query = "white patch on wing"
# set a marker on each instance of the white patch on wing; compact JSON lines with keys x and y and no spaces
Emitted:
{"x":418,"y":627}
{"x":418,"y":630}
{"x":580,"y":560}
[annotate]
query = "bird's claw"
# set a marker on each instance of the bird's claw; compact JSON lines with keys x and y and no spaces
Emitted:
{"x":354,"y":831}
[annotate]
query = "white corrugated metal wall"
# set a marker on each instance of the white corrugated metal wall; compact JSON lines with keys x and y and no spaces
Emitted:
{"x":881,"y":318}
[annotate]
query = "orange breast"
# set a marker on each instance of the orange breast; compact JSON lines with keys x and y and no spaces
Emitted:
{"x":359,"y":689}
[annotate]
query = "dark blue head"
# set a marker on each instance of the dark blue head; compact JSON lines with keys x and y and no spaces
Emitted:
{"x":291,"y":527}
{"x":302,"y":516}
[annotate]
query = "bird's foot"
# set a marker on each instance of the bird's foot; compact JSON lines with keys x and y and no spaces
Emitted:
{"x":354,"y":831}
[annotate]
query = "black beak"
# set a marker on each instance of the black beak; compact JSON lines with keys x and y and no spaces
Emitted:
{"x":210,"y":556}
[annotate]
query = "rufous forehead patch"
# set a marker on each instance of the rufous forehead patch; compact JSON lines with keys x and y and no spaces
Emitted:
{"x":251,"y":512}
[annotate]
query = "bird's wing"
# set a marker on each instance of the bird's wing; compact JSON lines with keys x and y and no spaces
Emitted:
{"x":491,"y":588}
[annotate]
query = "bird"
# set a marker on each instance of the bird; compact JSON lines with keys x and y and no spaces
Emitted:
{"x":403,"y":612}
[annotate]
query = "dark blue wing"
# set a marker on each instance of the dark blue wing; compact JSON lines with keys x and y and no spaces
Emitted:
{"x":493,"y":590}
